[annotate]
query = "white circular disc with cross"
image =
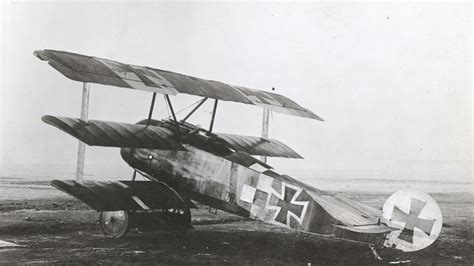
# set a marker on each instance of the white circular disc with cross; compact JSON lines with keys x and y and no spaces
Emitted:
{"x":417,"y":215}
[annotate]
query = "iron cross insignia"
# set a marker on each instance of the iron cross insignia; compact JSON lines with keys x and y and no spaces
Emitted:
{"x":412,"y":220}
{"x":291,"y":204}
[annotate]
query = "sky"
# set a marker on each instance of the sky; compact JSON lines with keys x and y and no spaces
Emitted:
{"x":392,"y":81}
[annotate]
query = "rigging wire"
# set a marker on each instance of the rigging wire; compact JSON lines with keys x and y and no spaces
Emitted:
{"x":183,"y":109}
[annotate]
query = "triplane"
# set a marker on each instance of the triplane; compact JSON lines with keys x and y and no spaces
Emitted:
{"x":186,"y":163}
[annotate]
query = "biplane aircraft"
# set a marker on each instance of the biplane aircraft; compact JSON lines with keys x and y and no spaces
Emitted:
{"x":184,"y":163}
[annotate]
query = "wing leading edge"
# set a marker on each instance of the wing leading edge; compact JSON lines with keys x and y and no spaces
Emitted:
{"x":107,"y":72}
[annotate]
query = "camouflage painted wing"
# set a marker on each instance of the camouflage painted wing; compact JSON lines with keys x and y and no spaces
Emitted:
{"x":103,"y":71}
{"x":257,"y":146}
{"x":113,"y":134}
{"x":122,"y":195}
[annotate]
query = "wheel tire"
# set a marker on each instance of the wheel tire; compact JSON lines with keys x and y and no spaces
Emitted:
{"x":115,"y":224}
{"x":187,"y":219}
{"x":187,"y":215}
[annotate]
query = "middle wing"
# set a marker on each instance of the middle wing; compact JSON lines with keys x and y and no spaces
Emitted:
{"x":258,"y":146}
{"x":113,"y":134}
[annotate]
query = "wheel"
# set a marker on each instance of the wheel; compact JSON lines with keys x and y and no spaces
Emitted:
{"x":115,"y":223}
{"x":185,"y":220}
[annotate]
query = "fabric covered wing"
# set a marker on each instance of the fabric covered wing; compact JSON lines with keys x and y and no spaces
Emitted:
{"x":122,"y":195}
{"x":96,"y":70}
{"x":103,"y":71}
{"x":258,"y":146}
{"x":113,"y":134}
{"x":246,"y":160}
{"x":369,"y":229}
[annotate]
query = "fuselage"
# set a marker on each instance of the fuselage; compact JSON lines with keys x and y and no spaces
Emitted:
{"x":253,"y":191}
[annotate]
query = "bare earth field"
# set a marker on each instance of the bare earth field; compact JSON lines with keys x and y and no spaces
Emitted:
{"x":56,"y":228}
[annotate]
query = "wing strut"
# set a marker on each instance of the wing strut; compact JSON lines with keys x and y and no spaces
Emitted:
{"x":265,"y":122}
{"x":213,"y":115}
{"x":81,"y":150}
{"x":167,"y":98}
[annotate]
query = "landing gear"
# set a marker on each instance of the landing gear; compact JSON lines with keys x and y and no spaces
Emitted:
{"x":376,"y":255}
{"x":115,"y":224}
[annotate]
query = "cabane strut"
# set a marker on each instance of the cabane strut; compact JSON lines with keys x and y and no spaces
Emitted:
{"x":152,"y":106}
{"x":167,"y":98}
{"x":213,"y":115}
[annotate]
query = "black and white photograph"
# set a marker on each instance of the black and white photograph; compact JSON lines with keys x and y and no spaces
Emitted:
{"x":236,"y":133}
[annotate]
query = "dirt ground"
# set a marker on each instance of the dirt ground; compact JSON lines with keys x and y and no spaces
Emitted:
{"x":61,"y":230}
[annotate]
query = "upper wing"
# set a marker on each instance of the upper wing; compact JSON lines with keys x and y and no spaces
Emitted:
{"x":103,"y":71}
{"x":258,"y":146}
{"x":113,"y":134}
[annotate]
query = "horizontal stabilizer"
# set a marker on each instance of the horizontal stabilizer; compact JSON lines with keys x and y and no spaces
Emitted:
{"x":123,"y":195}
{"x":258,"y":146}
{"x":369,"y":229}
{"x":113,"y":134}
{"x":107,"y":72}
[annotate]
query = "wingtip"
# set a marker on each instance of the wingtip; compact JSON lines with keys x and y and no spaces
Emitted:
{"x":43,"y":55}
{"x":312,"y":115}
{"x":316,"y":117}
{"x":39,"y":54}
{"x":47,"y":118}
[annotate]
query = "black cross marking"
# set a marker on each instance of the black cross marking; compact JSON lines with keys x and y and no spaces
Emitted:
{"x":286,"y":206}
{"x":411,"y":220}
